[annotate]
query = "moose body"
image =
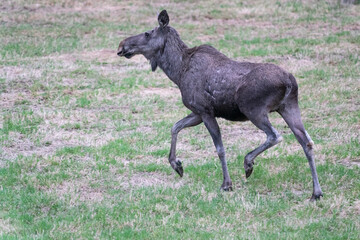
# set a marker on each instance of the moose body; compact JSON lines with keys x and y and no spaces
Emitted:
{"x":225,"y":87}
{"x":212,"y":85}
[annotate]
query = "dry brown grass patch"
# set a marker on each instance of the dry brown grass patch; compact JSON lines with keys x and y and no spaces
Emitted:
{"x":162,"y":92}
{"x":150,"y":179}
{"x":6,"y":227}
{"x":78,"y":191}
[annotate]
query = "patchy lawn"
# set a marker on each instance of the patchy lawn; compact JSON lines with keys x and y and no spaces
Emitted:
{"x":85,"y":135}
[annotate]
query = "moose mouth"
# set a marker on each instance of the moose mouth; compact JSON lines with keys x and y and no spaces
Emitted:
{"x":128,"y":55}
{"x":125,"y":54}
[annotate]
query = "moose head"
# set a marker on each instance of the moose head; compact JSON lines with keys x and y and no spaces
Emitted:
{"x":150,"y":43}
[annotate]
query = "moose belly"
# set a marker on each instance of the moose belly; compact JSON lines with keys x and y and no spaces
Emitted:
{"x":222,"y":102}
{"x":230,"y":112}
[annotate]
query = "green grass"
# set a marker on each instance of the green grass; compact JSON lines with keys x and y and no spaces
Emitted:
{"x":85,"y":135}
{"x":23,"y":121}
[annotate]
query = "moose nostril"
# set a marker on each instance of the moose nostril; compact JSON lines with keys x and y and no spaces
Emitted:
{"x":119,"y":53}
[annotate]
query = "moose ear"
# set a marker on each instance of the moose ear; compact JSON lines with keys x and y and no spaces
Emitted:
{"x":163,"y":19}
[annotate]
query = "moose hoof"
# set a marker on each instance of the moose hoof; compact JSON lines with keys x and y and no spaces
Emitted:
{"x":226,"y":187}
{"x":248,"y":166}
{"x":248,"y":169}
{"x":316,"y":196}
{"x":178,"y":168}
{"x":248,"y":172}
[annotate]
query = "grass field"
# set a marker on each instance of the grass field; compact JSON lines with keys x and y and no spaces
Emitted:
{"x":85,"y":135}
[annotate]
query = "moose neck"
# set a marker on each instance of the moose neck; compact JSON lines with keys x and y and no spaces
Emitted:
{"x":171,"y":60}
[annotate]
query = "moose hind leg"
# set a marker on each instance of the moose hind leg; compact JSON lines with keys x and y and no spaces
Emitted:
{"x":273,"y":138}
{"x":292,"y":117}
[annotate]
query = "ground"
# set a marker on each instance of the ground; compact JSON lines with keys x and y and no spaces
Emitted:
{"x":85,"y":135}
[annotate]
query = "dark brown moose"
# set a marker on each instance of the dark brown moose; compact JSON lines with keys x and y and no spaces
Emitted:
{"x":212,"y":85}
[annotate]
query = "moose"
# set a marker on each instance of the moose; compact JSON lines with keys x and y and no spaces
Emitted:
{"x":213,"y":86}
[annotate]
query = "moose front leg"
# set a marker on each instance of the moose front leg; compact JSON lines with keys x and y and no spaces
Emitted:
{"x":213,"y":127}
{"x":189,"y":121}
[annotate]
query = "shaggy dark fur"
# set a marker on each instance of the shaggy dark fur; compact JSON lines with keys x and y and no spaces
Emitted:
{"x":212,"y":85}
